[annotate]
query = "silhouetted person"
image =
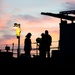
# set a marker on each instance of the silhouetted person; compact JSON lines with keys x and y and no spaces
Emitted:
{"x":27,"y":44}
{"x":42,"y":46}
{"x":48,"y":41}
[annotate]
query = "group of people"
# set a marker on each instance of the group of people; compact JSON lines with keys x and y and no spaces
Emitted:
{"x":44,"y":44}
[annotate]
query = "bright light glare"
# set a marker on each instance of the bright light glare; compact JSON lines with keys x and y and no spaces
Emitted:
{"x":15,"y":27}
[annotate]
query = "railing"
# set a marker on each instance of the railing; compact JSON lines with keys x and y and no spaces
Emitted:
{"x":34,"y":51}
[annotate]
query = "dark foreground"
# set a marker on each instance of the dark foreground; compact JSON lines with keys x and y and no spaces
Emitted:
{"x":6,"y":58}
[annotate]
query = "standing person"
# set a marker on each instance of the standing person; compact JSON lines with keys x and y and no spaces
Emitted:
{"x":27,"y":44}
{"x":48,"y":41}
{"x":42,"y":46}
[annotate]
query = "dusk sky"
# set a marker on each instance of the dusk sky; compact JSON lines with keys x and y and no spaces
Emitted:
{"x":27,"y":13}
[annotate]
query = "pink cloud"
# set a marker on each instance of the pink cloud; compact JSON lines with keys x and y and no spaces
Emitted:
{"x":69,"y":4}
{"x":4,"y":20}
{"x":31,"y":24}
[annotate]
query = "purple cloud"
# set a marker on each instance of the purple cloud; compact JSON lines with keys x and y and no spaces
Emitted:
{"x":69,"y":6}
{"x":8,"y":36}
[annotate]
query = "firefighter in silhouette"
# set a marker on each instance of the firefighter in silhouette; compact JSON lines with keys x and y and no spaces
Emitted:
{"x":27,"y":44}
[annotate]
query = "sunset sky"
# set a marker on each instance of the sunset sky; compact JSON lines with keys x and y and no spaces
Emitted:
{"x":27,"y":13}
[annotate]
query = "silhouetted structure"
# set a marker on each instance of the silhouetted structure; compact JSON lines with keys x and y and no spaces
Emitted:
{"x":7,"y":48}
{"x":18,"y":32}
{"x":12,"y":47}
{"x":67,"y":30}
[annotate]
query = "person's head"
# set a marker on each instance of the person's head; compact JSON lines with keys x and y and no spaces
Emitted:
{"x":46,"y":31}
{"x":42,"y":34}
{"x":28,"y":35}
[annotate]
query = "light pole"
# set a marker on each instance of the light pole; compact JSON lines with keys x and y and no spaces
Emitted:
{"x":18,"y":31}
